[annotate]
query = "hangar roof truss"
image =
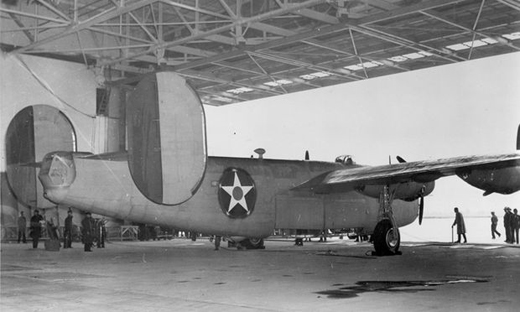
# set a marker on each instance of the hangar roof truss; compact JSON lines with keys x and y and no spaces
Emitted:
{"x":239,"y":50}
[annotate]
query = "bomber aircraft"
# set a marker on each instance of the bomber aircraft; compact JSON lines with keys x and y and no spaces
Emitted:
{"x":167,"y":178}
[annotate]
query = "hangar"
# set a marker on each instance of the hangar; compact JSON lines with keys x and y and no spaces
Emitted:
{"x":233,"y":51}
{"x":80,"y":57}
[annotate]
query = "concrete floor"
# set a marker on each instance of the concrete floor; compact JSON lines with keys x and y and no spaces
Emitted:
{"x":181,"y":275}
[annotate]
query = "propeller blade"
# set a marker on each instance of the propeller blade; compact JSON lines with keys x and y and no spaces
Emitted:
{"x":421,"y":209}
{"x":400,"y":159}
{"x":518,"y":139}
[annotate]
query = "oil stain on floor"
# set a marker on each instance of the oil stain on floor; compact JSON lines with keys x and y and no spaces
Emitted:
{"x":392,"y":286}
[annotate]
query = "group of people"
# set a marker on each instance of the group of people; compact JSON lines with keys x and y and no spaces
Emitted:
{"x":88,"y":228}
{"x":511,"y":225}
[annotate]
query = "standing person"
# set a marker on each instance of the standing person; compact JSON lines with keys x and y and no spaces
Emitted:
{"x":67,"y":233}
{"x":461,"y":227}
{"x":494,"y":223}
{"x":87,"y":231}
{"x":22,"y":227}
{"x":515,"y":224}
{"x":507,"y":224}
{"x":36,"y":227}
{"x":217,"y":242}
{"x":102,"y":233}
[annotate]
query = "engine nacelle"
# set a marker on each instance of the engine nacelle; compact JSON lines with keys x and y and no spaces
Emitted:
{"x":501,"y":180}
{"x":409,"y":191}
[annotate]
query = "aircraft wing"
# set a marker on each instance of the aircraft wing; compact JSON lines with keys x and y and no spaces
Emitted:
{"x":420,"y":171}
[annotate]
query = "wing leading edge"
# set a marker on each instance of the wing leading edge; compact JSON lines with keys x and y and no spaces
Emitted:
{"x":347,"y":179}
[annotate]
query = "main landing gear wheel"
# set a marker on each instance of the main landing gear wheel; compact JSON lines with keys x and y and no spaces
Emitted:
{"x":386,"y":239}
{"x":251,"y":243}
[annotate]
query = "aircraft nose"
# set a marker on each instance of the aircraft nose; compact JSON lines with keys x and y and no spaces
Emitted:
{"x":56,"y":175}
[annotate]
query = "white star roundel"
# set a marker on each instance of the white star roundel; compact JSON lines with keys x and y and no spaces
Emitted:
{"x":236,"y":193}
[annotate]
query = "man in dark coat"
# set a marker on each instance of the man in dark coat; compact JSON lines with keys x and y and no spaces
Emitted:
{"x":461,"y":227}
{"x":67,"y":233}
{"x":507,"y":224}
{"x":36,"y":227}
{"x":22,"y":227}
{"x":515,"y":225}
{"x":87,"y":231}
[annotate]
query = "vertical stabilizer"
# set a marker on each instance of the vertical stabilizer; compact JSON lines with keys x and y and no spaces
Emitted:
{"x":32,"y":133}
{"x":166,"y":138}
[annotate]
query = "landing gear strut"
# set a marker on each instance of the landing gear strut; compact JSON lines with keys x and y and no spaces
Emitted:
{"x":386,"y":234}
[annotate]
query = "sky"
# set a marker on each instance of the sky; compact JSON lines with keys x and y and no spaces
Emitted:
{"x":468,"y":108}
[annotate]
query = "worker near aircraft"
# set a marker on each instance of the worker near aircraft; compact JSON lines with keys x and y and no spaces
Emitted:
{"x":22,"y":226}
{"x":102,"y":232}
{"x":217,"y":242}
{"x":461,"y":227}
{"x":507,"y":224}
{"x":87,"y":231}
{"x":36,"y":227}
{"x":494,"y":223}
{"x":515,"y":224}
{"x":67,"y":233}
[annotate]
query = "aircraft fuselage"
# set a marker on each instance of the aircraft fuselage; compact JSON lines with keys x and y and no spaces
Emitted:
{"x":237,"y":197}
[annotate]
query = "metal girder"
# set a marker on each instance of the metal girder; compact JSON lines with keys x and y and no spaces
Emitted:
{"x":469,"y":30}
{"x":244,"y":43}
{"x":196,"y":75}
{"x":54,"y":10}
{"x":35,"y":16}
{"x":76,"y":27}
{"x":297,"y":63}
{"x":220,"y":29}
{"x":22,"y":26}
{"x":318,"y":32}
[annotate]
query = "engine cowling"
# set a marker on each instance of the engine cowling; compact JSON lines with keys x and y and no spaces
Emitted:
{"x":409,"y":191}
{"x":495,"y":180}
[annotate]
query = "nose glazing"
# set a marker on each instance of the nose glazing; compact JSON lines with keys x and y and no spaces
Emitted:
{"x":57,"y":174}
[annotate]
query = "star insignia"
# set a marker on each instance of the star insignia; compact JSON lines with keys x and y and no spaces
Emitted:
{"x":238,"y":193}
{"x":234,"y":186}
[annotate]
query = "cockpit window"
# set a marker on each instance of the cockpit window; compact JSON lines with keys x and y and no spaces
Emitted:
{"x":345,"y":159}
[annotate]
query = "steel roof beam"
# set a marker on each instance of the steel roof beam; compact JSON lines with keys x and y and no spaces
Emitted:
{"x":35,"y":16}
{"x":320,"y":31}
{"x":76,"y":27}
{"x":22,"y":27}
{"x":444,"y":19}
{"x":52,"y":8}
{"x":301,"y":64}
{"x":221,"y":29}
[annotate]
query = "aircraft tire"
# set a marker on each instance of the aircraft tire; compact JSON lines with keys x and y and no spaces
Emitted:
{"x":253,"y":243}
{"x":386,"y":239}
